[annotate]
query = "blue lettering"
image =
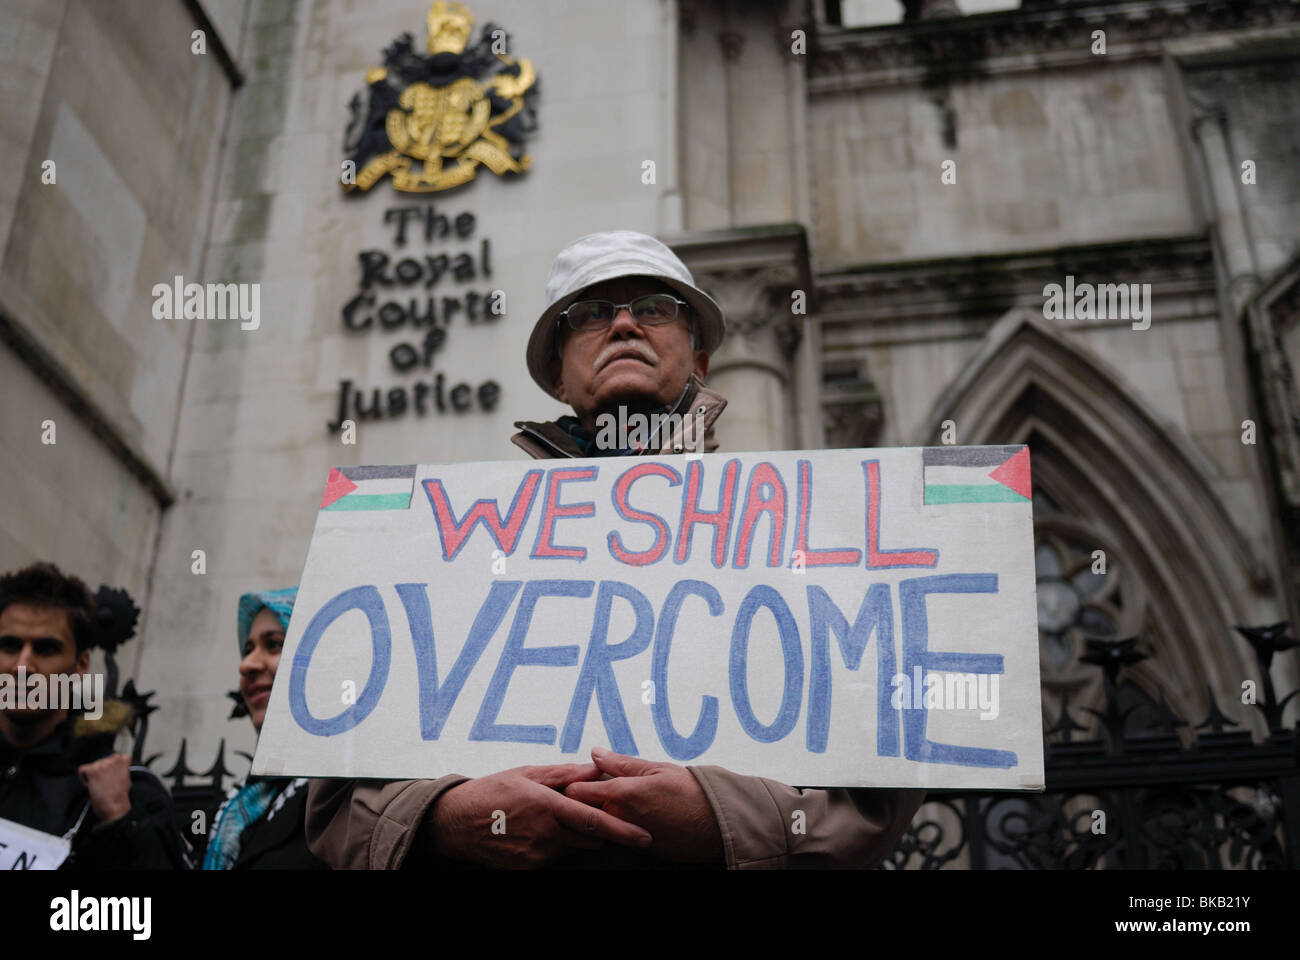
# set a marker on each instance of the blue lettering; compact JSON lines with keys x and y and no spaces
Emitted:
{"x":706,"y":727}
{"x":436,"y":702}
{"x":916,"y":633}
{"x":875,"y":613}
{"x":368,"y":601}
{"x":790,"y":697}
{"x":598,"y":674}
{"x":516,"y":655}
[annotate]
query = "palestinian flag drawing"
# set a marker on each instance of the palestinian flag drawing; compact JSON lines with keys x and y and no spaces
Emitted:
{"x":976,"y":475}
{"x":369,"y":488}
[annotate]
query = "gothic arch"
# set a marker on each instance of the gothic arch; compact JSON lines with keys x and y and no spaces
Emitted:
{"x":1132,"y":483}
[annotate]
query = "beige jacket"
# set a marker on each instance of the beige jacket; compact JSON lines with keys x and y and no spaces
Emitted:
{"x":360,"y":824}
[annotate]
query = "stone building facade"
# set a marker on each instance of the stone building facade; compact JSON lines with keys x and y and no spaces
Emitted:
{"x":878,"y":210}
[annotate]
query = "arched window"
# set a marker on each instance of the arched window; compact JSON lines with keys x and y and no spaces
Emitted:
{"x":1111,"y":481}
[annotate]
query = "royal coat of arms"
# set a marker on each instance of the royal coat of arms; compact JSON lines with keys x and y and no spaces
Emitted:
{"x":431,"y":120}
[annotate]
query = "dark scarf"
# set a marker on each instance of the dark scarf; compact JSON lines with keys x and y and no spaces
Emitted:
{"x":586,"y":440}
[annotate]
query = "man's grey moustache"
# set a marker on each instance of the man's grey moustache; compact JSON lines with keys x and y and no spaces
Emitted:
{"x":608,"y":356}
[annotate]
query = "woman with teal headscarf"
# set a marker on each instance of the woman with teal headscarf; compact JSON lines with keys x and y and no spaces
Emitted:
{"x":260,"y":825}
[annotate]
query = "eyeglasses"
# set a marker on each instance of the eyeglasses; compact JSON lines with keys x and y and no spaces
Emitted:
{"x":649,"y":311}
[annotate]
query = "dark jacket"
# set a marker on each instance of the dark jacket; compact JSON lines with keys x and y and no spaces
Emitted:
{"x":372,"y":824}
{"x":40,"y":788}
{"x":277,"y":840}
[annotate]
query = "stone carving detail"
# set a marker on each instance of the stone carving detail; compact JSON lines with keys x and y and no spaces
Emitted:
{"x":731,"y":43}
{"x":853,"y":417}
{"x":752,"y":273}
{"x":1042,"y":28}
{"x":1204,"y":106}
{"x":1174,"y":261}
{"x":756,"y":300}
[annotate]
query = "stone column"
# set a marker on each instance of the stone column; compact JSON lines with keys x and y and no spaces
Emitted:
{"x":808,"y":426}
{"x":1274,"y":318}
{"x":1227,"y":213}
{"x":1240,"y":275}
{"x":730,"y":43}
{"x":752,"y":273}
{"x":670,"y":206}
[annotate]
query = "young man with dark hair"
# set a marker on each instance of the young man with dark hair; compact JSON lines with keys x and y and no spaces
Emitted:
{"x":59,"y":773}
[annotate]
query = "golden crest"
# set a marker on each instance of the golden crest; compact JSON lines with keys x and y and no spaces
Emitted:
{"x":449,"y":27}
{"x":430,"y":135}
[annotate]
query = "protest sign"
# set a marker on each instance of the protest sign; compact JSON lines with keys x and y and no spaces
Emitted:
{"x":822,"y":618}
{"x":22,"y":848}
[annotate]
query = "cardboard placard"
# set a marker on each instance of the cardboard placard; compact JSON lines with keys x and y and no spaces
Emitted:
{"x":822,"y":618}
{"x":23,"y":848}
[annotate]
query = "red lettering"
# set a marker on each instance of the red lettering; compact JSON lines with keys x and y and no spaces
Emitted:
{"x":877,"y":558}
{"x":816,"y":558}
{"x":621,"y":487}
{"x":506,"y":535}
{"x":543,"y":548}
{"x":755,"y":504}
{"x":719,"y":519}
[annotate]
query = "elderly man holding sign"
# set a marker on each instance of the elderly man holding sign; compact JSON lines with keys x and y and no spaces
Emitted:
{"x":697,"y":625}
{"x":625,"y":341}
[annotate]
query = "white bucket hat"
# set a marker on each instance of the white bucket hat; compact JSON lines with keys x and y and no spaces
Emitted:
{"x":598,"y":257}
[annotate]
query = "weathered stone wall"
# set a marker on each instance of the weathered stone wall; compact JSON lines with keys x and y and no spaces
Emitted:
{"x":705,"y":139}
{"x":1261,"y":102}
{"x":737,"y":127}
{"x":132,"y":121}
{"x":1042,"y":159}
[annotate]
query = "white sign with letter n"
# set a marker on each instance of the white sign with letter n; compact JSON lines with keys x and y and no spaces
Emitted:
{"x":22,"y":848}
